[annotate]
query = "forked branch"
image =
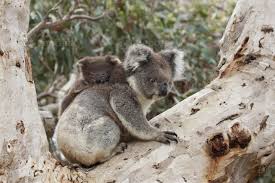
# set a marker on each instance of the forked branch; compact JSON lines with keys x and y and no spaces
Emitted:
{"x":46,"y":23}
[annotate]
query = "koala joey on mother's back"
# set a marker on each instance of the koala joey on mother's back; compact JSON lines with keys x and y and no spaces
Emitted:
{"x":102,"y":118}
{"x":93,"y":71}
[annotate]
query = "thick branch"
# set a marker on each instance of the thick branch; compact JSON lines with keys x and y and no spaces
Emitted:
{"x":224,"y":129}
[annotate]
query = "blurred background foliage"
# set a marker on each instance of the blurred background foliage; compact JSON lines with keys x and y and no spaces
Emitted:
{"x":194,"y":26}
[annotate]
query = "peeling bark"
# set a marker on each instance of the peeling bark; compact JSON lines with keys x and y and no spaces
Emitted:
{"x":226,"y":130}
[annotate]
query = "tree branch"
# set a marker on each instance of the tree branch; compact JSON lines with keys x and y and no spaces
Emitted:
{"x":45,"y":94}
{"x":87,"y":17}
{"x":45,"y":24}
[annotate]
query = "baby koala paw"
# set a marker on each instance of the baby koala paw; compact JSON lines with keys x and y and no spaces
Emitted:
{"x":167,"y":136}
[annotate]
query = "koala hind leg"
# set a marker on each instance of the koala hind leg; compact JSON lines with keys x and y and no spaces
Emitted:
{"x":120,"y":148}
{"x":101,"y":142}
{"x":89,"y":142}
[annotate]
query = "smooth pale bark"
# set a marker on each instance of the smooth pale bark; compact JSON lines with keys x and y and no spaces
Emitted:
{"x":240,"y":103}
{"x":22,"y":137}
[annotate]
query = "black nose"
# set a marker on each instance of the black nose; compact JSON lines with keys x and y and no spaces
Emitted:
{"x":163,"y":89}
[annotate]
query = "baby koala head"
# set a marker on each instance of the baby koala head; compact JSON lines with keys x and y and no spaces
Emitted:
{"x":151,"y":74}
{"x":98,"y":69}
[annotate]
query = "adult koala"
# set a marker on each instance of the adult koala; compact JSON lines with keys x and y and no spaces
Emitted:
{"x":101,"y":118}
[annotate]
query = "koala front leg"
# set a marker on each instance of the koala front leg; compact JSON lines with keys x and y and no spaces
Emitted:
{"x":67,"y":100}
{"x":78,"y":86}
{"x":130,"y":113}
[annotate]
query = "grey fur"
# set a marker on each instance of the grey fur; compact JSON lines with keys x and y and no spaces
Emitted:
{"x":102,"y":117}
{"x":135,"y":55}
{"x":175,"y":59}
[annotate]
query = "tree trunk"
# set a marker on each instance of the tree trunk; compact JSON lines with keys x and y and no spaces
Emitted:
{"x":227,"y":130}
{"x":22,"y":137}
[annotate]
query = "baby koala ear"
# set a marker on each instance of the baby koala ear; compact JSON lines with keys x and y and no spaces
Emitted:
{"x":81,"y":63}
{"x":136,"y":55}
{"x":112,"y":59}
{"x":175,"y":59}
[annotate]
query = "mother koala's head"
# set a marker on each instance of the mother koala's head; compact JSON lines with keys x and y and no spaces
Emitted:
{"x":151,"y":74}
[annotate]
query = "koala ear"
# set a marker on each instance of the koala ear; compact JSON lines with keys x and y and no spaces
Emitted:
{"x":112,"y":59}
{"x":175,"y":59}
{"x":80,"y":64}
{"x":136,"y":55}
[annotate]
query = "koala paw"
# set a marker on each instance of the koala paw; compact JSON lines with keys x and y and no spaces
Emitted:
{"x":121,"y":148}
{"x":167,"y":136}
{"x":78,"y":167}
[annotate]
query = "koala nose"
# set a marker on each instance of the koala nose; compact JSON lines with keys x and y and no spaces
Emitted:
{"x":163,"y":89}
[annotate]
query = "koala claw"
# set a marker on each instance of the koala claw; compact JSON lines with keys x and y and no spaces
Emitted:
{"x":171,"y":138}
{"x":171,"y":133}
{"x":78,"y":167}
{"x":85,"y":170}
{"x":167,"y":136}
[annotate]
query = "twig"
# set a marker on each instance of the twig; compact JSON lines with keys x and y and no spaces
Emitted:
{"x":47,"y":66}
{"x":54,"y":8}
{"x":87,"y":17}
{"x":41,"y":25}
{"x":45,"y":94}
{"x":52,"y":88}
{"x":45,"y":24}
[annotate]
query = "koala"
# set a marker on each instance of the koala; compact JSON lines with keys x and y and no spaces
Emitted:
{"x":92,"y":71}
{"x":103,"y":118}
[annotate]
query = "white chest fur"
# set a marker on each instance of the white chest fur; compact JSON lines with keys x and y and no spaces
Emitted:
{"x":145,"y":103}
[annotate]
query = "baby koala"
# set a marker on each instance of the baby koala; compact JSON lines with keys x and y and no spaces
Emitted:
{"x":101,"y":119}
{"x":93,"y":71}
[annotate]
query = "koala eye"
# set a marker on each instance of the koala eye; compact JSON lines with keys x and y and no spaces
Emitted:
{"x":152,"y":80}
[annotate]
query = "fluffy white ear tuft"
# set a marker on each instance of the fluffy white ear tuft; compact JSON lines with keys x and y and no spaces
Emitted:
{"x":179,"y":64}
{"x":175,"y":58}
{"x":136,"y":55}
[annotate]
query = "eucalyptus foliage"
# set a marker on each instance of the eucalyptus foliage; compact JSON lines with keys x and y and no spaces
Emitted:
{"x":194,"y":27}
